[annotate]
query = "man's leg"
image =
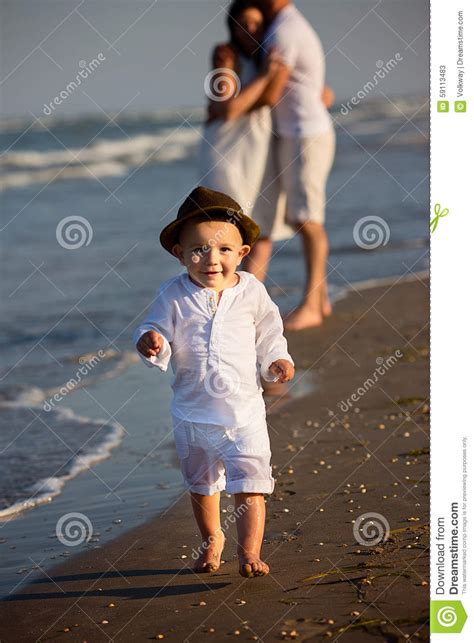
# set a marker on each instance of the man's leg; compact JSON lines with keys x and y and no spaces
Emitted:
{"x":315,"y":302}
{"x":207,"y":513}
{"x":258,"y":260}
{"x":250,"y":529}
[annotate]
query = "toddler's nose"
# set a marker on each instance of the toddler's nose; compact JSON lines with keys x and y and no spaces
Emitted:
{"x":212,"y":258}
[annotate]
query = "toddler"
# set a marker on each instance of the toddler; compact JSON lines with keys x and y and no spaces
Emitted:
{"x":222,"y":333}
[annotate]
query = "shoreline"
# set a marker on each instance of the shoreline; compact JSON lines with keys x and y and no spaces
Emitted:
{"x":140,"y":571}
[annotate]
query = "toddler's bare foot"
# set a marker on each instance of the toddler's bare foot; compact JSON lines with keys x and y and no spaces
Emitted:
{"x":303,"y":317}
{"x":210,"y":558}
{"x":250,"y":566}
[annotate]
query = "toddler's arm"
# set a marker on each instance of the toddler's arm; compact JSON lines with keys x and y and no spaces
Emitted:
{"x":154,"y":336}
{"x":276,"y":364}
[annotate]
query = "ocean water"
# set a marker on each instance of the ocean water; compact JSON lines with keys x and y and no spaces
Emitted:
{"x":75,"y":402}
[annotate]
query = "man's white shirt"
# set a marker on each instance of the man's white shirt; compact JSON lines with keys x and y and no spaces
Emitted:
{"x":300,"y":112}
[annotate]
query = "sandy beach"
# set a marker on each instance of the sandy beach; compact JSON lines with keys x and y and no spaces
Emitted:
{"x":348,"y":449}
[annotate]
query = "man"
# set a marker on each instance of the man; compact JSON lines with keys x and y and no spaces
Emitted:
{"x":302,"y":156}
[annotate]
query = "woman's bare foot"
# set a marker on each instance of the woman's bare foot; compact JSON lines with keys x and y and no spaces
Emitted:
{"x":210,"y":558}
{"x":304,"y":316}
{"x":250,"y":566}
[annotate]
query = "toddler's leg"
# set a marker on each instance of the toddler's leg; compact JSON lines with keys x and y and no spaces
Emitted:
{"x":250,"y":528}
{"x":207,"y":513}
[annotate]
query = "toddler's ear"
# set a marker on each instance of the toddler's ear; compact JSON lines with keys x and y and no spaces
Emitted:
{"x":244,"y":250}
{"x":178,"y":252}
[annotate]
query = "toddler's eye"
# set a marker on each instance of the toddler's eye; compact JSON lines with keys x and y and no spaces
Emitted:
{"x":226,"y":249}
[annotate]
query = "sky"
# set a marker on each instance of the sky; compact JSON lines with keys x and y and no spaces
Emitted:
{"x":154,"y":54}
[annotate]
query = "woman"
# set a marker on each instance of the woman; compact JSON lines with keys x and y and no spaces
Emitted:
{"x":237,"y":134}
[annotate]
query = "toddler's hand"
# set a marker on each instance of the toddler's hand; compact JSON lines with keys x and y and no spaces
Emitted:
{"x":283,"y":369}
{"x":150,"y":344}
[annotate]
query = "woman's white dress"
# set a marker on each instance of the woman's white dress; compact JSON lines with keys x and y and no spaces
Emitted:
{"x":233,"y":154}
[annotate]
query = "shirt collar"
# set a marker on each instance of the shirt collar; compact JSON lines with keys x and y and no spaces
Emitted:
{"x":192,"y":288}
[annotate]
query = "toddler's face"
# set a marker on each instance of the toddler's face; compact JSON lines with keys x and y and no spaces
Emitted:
{"x":211,"y":252}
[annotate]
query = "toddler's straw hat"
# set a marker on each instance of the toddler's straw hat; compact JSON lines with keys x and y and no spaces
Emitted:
{"x":209,"y":202}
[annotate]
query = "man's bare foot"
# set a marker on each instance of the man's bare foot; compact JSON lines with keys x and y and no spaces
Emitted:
{"x":326,"y":307}
{"x":210,"y":558}
{"x":250,"y":566}
{"x":303,"y":317}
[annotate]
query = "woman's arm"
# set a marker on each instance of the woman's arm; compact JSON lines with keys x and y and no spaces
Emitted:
{"x":237,"y":103}
{"x":233,"y":101}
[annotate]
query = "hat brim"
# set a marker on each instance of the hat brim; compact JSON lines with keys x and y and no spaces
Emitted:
{"x":249,"y":229}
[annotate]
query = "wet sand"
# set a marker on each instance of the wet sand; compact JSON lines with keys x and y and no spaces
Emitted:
{"x":335,"y":460}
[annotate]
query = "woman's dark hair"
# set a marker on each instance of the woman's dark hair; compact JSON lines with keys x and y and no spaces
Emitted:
{"x":233,"y":13}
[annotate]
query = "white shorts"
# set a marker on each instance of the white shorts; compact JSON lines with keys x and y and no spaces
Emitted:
{"x":215,"y":458}
{"x":297,"y":170}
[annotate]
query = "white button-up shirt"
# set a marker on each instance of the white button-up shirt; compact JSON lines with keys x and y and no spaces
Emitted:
{"x":218,"y":351}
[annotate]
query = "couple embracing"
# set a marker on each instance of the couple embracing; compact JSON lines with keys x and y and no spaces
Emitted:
{"x":269,"y":141}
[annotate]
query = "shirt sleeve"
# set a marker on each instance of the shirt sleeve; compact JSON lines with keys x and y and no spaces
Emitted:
{"x":160,"y":319}
{"x":285,"y":44}
{"x":270,"y":341}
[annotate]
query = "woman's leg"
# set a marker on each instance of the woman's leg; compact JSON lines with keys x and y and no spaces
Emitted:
{"x":258,"y":260}
{"x":250,"y":529}
{"x":207,"y":513}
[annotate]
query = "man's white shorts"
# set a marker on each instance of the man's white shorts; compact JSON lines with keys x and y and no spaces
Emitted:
{"x":215,"y":458}
{"x":295,"y":179}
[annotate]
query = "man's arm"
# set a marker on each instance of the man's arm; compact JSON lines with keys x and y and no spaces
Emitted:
{"x":234,"y":101}
{"x":275,"y":88}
